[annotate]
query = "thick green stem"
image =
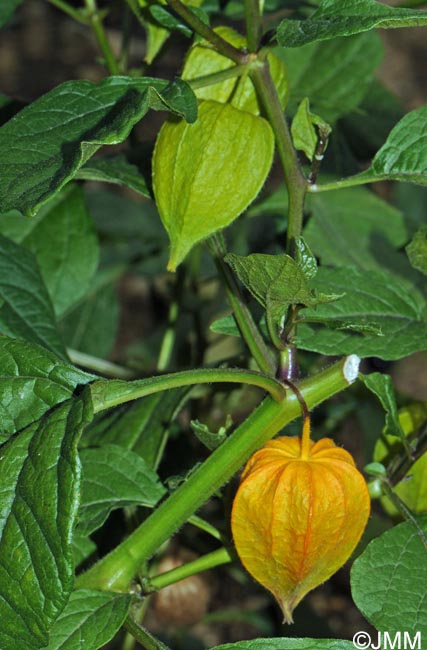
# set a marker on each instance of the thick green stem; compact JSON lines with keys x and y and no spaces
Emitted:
{"x":295,"y":181}
{"x":204,"y":563}
{"x":253,"y":24}
{"x":116,"y":570}
{"x":108,"y":393}
{"x":95,"y":22}
{"x":207,"y":32}
{"x":248,"y":329}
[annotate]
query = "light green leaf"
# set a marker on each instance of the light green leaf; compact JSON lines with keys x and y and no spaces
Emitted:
{"x":26,"y":311}
{"x":373,"y":298}
{"x":307,"y":128}
{"x":205,"y":174}
{"x":90,"y":620}
{"x":354,"y":227}
{"x":32,"y":381}
{"x":305,"y":258}
{"x":47,"y":142}
{"x":39,"y":487}
{"x":382,"y":386}
{"x":114,"y":477}
{"x":288,"y":644}
{"x":389,"y":581}
{"x":63,"y":240}
{"x":351,"y":17}
{"x":417,"y":250}
{"x":334,"y":75}
{"x":141,"y":427}
{"x":117,"y":170}
{"x":7,"y":7}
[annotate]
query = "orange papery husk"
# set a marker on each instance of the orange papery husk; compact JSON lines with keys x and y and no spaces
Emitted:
{"x":295,"y":521}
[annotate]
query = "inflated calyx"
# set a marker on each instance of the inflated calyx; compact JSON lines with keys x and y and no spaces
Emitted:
{"x":298,"y":514}
{"x":206,"y":173}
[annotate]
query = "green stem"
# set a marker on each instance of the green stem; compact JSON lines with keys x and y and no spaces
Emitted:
{"x":76,"y":14}
{"x":95,"y":22}
{"x":402,"y":508}
{"x":116,"y":570}
{"x":358,"y":179}
{"x":253,"y":24}
{"x":217,"y":77}
{"x":166,"y":348}
{"x":108,"y":393}
{"x":143,"y":636}
{"x":100,"y":366}
{"x":250,"y":333}
{"x":295,"y":181}
{"x":206,"y":32}
{"x":209,"y":561}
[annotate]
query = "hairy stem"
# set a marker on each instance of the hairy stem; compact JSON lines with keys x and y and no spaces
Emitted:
{"x":295,"y":181}
{"x":204,"y":563}
{"x":95,"y":22}
{"x":143,"y":636}
{"x":116,"y":570}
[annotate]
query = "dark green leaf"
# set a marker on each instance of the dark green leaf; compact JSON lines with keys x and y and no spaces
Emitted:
{"x":63,"y":239}
{"x":26,"y":311}
{"x":305,"y":258}
{"x":90,"y":619}
{"x":117,"y":170}
{"x":382,"y":386}
{"x":211,"y":439}
{"x":389,"y":581}
{"x":288,"y":644}
{"x":335,"y":75}
{"x":32,"y":381}
{"x":417,"y":250}
{"x":354,"y":227}
{"x":47,"y":142}
{"x":141,"y":427}
{"x":39,"y":486}
{"x":91,"y":327}
{"x":114,"y":477}
{"x":351,"y":17}
{"x":307,"y":128}
{"x":371,"y":298}
{"x":276,"y":281}
{"x":225,"y":325}
{"x":7,"y":7}
{"x":168,"y":20}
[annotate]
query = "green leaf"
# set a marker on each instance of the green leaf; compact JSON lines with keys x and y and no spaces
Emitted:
{"x":7,"y":7}
{"x":114,"y":477}
{"x":335,"y":75}
{"x":63,"y":240}
{"x":47,"y":142}
{"x":305,"y":258}
{"x":382,"y":386}
{"x":225,"y":325}
{"x":83,"y":547}
{"x":26,"y":311}
{"x":352,"y":17}
{"x":39,"y":484}
{"x":91,"y":327}
{"x":354,"y":227}
{"x":389,"y":581}
{"x":117,"y":170}
{"x":288,"y":644}
{"x":371,"y":298}
{"x":90,"y":620}
{"x":276,"y":281}
{"x":417,"y":250}
{"x":210,"y":439}
{"x":32,"y":381}
{"x":307,"y":128}
{"x":205,"y":174}
{"x":141,"y":427}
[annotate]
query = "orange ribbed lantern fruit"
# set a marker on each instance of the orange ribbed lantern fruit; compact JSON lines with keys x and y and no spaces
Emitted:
{"x":298,"y":514}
